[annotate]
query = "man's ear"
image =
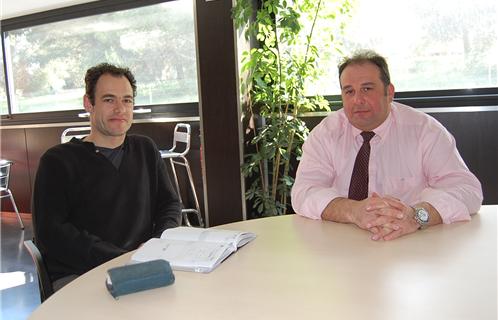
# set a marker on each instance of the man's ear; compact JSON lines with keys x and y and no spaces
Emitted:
{"x":390,"y":92}
{"x":87,"y":104}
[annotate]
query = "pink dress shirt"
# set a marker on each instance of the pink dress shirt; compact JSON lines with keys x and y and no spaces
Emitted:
{"x":412,"y":158}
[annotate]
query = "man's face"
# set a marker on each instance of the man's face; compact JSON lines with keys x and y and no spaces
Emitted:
{"x":367,"y":102}
{"x":112,"y":113}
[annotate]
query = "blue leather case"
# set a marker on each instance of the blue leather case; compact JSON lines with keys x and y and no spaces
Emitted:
{"x":138,"y":277}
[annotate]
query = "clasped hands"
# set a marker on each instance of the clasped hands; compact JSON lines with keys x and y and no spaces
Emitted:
{"x":385,"y":217}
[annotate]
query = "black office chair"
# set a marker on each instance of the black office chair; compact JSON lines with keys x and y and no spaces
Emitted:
{"x":44,"y":283}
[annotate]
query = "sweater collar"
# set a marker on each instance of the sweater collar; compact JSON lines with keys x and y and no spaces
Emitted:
{"x":90,"y":146}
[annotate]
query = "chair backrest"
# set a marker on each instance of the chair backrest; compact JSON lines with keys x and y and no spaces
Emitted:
{"x":5,"y":173}
{"x":44,"y":283}
{"x":75,"y":132}
{"x":181,"y":138}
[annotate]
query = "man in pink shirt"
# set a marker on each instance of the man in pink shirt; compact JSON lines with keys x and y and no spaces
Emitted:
{"x":416,"y":177}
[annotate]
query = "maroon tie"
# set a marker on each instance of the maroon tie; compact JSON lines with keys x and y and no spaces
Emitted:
{"x":358,"y":188}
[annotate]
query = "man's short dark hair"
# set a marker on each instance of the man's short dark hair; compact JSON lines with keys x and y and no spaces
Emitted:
{"x":94,"y":73}
{"x":363,"y":56}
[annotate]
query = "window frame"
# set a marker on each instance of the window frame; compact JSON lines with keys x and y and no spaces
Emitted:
{"x":190,"y":109}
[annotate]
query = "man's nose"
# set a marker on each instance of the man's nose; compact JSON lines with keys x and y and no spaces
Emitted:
{"x":359,"y":98}
{"x":119,"y":107}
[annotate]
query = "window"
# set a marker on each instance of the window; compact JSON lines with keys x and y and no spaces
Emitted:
{"x":156,"y":42}
{"x":429,"y":44}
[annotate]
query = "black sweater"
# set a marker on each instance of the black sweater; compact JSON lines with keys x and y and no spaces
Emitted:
{"x":86,"y":212}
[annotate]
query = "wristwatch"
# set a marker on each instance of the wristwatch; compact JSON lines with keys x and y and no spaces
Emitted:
{"x":421,"y":216}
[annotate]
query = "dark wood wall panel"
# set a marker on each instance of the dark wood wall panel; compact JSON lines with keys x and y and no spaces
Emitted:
{"x":476,"y":135}
{"x":26,"y":146}
{"x":13,"y":147}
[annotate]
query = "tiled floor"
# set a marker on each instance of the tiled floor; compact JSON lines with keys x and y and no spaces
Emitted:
{"x":19,"y":294}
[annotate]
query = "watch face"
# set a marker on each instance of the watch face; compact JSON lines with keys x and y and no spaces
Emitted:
{"x":423,"y":215}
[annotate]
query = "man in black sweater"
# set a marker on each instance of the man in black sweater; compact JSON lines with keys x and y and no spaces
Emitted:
{"x":97,"y":198}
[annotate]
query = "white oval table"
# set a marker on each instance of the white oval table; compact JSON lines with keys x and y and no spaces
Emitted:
{"x":298,"y":268}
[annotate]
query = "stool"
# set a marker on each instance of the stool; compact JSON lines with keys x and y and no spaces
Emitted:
{"x":4,"y":186}
{"x":181,"y":136}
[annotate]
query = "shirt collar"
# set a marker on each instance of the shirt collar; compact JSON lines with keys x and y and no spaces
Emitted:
{"x":382,"y":130}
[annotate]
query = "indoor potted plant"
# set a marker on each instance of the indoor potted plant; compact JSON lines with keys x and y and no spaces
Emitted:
{"x":274,"y":73}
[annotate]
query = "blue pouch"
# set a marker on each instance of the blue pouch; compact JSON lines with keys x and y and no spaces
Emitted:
{"x":138,"y":277}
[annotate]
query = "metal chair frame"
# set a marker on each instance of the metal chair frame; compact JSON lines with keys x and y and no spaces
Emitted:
{"x":182,"y":135}
{"x":4,"y":186}
{"x":75,"y":132}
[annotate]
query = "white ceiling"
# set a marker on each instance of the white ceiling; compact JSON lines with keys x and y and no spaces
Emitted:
{"x":14,"y":8}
